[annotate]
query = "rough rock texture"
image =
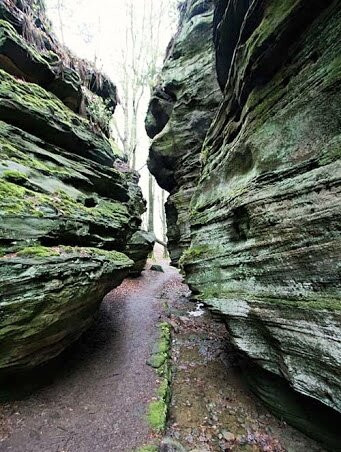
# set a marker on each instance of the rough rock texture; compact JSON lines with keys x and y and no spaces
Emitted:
{"x":68,"y":203}
{"x":139,"y":247}
{"x":179,"y":115}
{"x":265,"y":216}
{"x":50,"y":296}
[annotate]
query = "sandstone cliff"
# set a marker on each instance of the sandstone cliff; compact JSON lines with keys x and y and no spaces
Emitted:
{"x":179,"y":115}
{"x":265,"y":213}
{"x":68,"y":202}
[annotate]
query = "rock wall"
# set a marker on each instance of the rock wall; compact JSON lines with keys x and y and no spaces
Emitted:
{"x":180,"y":112}
{"x":265,"y":213}
{"x":68,"y":202}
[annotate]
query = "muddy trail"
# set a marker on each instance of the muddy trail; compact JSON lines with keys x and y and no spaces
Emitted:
{"x":97,"y":394}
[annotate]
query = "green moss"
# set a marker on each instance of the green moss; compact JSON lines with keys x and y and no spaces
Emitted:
{"x":276,"y":13}
{"x":111,"y":255}
{"x":40,"y":251}
{"x":11,"y":151}
{"x":15,"y":200}
{"x":9,"y":189}
{"x":157,"y":360}
{"x":157,"y":410}
{"x":14,"y":176}
{"x":148,"y":448}
{"x":98,"y":110}
{"x":22,"y":201}
{"x":11,"y":198}
{"x":157,"y":415}
{"x":163,"y":390}
{"x":161,"y":349}
{"x":194,"y":253}
{"x":326,"y":303}
{"x":34,"y":98}
{"x":8,"y":31}
{"x":37,"y":251}
{"x":28,"y":102}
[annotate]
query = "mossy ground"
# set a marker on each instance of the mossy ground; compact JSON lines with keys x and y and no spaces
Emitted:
{"x":148,"y":448}
{"x":158,"y":409}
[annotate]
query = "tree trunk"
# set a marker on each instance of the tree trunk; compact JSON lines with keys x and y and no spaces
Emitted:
{"x":151,"y":204}
{"x":164,"y":222}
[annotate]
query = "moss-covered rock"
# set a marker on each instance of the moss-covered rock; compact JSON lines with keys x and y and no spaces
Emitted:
{"x":159,"y":360}
{"x":180,"y":112}
{"x":33,"y":109}
{"x":49,"y":297}
{"x":68,"y":203}
{"x":265,"y":213}
{"x":22,"y":60}
{"x":266,"y":204}
{"x":138,"y":249}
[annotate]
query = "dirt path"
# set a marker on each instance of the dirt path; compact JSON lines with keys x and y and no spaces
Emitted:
{"x":98,"y":400}
{"x":101,"y":387}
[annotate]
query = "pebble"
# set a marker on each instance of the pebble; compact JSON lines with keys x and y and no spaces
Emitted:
{"x":228,"y":435}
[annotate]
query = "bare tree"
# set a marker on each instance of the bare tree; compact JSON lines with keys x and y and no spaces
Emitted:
{"x":151,"y":192}
{"x":141,"y":62}
{"x":163,"y":221}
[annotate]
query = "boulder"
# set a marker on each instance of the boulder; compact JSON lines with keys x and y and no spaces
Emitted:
{"x":138,"y":249}
{"x":49,"y":298}
{"x":157,"y":268}
{"x":69,"y":204}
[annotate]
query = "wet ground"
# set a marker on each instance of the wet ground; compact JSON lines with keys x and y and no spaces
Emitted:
{"x":99,"y":393}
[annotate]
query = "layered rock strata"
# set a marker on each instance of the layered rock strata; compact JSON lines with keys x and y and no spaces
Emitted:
{"x":265,"y":214}
{"x":68,"y":203}
{"x":138,"y":249}
{"x":180,"y":112}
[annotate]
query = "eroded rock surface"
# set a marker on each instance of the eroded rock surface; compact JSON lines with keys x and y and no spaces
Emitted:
{"x":180,"y":113}
{"x":138,"y":249}
{"x":265,"y":214}
{"x":68,"y":203}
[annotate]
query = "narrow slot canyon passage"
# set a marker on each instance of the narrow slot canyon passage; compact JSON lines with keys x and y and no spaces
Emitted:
{"x":170,"y":247}
{"x":94,"y":396}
